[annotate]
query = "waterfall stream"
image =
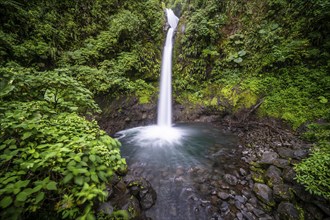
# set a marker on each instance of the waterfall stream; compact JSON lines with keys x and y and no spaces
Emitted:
{"x":165,"y":98}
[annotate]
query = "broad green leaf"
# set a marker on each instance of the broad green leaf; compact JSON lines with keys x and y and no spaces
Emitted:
{"x":77,"y":158}
{"x":50,"y":155}
{"x":83,"y":163}
{"x":67,"y":178}
{"x":37,"y":188}
{"x":28,"y":191}
{"x":10,"y":179}
{"x":102,"y":175}
{"x":40,"y":197}
{"x":5,"y":202}
{"x":21,"y":183}
{"x":51,"y":185}
{"x":26,"y":135}
{"x":95,"y":178}
{"x":22,"y":196}
{"x":92,"y":158}
{"x":79,"y":180}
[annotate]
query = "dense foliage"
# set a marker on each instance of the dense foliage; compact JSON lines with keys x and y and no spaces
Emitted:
{"x":53,"y":161}
{"x":55,"y":56}
{"x":106,"y":45}
{"x":274,"y":54}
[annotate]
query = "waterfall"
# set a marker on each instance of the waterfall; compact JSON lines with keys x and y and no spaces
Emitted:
{"x":164,"y":117}
{"x":162,"y":134}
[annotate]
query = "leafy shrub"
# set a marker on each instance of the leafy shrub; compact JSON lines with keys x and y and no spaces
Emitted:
{"x":54,"y":162}
{"x":314,"y":172}
{"x":63,"y":92}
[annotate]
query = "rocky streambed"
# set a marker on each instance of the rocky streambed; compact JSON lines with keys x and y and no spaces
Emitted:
{"x":257,"y":181}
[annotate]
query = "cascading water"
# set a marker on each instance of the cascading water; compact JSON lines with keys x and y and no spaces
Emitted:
{"x":165,"y":100}
{"x":162,"y":134}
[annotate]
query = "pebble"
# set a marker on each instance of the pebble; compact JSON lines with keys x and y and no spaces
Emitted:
{"x":230,"y":179}
{"x":238,"y":205}
{"x":223,"y":195}
{"x":242,"y":172}
{"x":224,"y":207}
{"x":239,"y":216}
{"x":241,"y":199}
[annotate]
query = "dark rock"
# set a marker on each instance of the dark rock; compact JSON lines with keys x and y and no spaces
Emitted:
{"x":243,"y":182}
{"x":248,"y":216}
{"x":313,"y":212}
{"x":273,"y":176}
{"x":224,"y":207}
{"x":216,"y":216}
{"x":246,"y":193}
{"x":230,"y":179}
{"x":281,"y":163}
{"x":302,"y":194}
{"x":214,"y":200}
{"x":120,"y":187}
{"x":142,"y":189}
{"x":203,"y":188}
{"x":323,"y":206}
{"x":238,"y":205}
{"x":282,"y":192}
{"x":287,"y":211}
{"x":258,"y":212}
{"x":268,"y":158}
{"x":300,"y":154}
{"x":241,"y":199}
{"x":149,"y":199}
{"x":266,"y":217}
{"x":264,"y":193}
{"x":289,"y":174}
{"x":114,"y":179}
{"x":133,"y":208}
{"x":242,"y":172}
{"x":253,"y":201}
{"x":249,"y":206}
{"x":223,"y":195}
{"x":285,"y":152}
{"x":239,"y":216}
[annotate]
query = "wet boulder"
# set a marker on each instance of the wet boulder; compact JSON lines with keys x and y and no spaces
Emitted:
{"x":268,"y":158}
{"x":273,"y":176}
{"x":142,"y":190}
{"x":282,"y":192}
{"x":289,"y":174}
{"x":264,"y":193}
{"x":285,"y":152}
{"x":287,"y":211}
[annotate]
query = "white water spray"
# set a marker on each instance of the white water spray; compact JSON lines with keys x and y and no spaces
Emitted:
{"x":165,"y":98}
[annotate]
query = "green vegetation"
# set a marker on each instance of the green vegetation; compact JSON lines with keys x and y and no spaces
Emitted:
{"x":236,"y":55}
{"x":53,"y":161}
{"x":55,"y":56}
